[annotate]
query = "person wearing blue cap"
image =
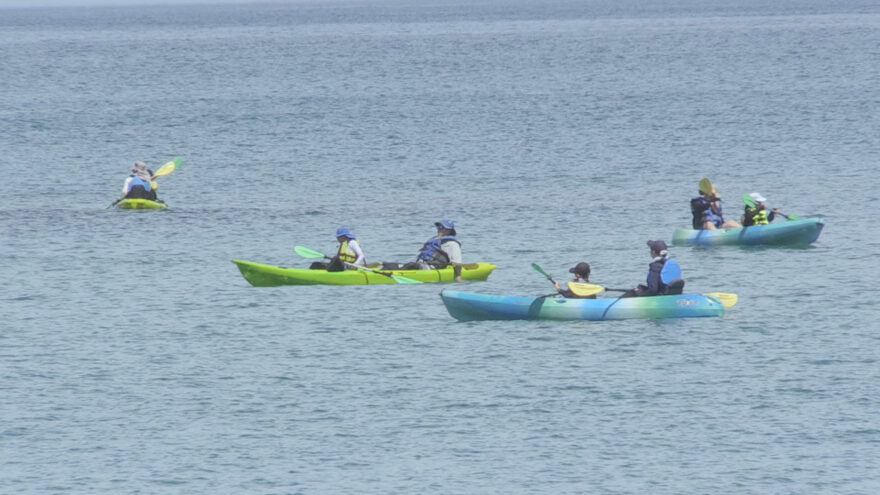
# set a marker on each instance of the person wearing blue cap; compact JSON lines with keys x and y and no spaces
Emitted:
{"x":664,"y":274}
{"x":348,"y":253}
{"x":440,"y":251}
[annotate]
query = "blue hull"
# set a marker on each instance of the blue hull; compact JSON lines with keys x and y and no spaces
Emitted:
{"x":790,"y":233}
{"x":468,"y":306}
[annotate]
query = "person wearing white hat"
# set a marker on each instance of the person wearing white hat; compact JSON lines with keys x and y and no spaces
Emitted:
{"x":757,"y":213}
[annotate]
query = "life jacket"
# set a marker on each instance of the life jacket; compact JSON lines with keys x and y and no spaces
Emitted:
{"x":670,"y":270}
{"x":703,"y":212}
{"x":137,"y":181}
{"x":756,"y":216}
{"x":431,"y":252}
{"x":346,"y":254}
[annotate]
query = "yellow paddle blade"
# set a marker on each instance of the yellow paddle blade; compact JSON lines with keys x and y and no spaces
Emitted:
{"x":584,"y":290}
{"x":728,"y":299}
{"x":705,"y":185}
{"x":168,"y":168}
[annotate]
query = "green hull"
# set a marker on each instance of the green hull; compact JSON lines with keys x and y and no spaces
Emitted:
{"x":140,"y":204}
{"x":261,"y":275}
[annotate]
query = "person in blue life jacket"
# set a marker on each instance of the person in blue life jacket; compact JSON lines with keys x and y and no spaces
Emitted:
{"x":664,"y":274}
{"x":440,"y":251}
{"x":706,"y":210}
{"x":348,"y":253}
{"x":581,"y":273}
{"x":758,"y":214}
{"x":140,"y":184}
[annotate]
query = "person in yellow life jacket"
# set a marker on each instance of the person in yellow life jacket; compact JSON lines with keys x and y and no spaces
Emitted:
{"x":581,"y":273}
{"x":757,"y":213}
{"x":348,"y":253}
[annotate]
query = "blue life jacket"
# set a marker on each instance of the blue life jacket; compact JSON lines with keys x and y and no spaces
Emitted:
{"x":137,"y":181}
{"x":431,"y":252}
{"x":663,"y":272}
{"x":703,"y":212}
{"x":671,"y":271}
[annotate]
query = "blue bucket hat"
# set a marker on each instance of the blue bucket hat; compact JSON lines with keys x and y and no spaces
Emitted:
{"x":344,"y":232}
{"x":445,"y":224}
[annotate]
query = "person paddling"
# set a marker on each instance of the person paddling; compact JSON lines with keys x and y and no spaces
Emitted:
{"x":348,"y":253}
{"x":757,"y":212}
{"x":581,"y":273}
{"x":706,"y":209}
{"x":438,"y":252}
{"x":139,"y":184}
{"x":664,"y":274}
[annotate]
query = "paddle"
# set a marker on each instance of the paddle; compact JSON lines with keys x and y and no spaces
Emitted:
{"x":751,"y":203}
{"x":163,"y":171}
{"x":705,"y":185}
{"x":728,"y":299}
{"x":168,"y":167}
{"x":577,"y":288}
{"x":311,"y":253}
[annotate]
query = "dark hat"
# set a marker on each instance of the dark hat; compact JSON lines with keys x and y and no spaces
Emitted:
{"x":581,"y":268}
{"x":657,"y":245}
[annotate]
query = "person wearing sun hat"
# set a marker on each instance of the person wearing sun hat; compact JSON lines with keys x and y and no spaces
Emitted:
{"x":348,"y":253}
{"x":757,"y":213}
{"x":664,"y":274}
{"x":706,"y":209}
{"x":581,"y":273}
{"x":440,"y":251}
{"x":139,"y":184}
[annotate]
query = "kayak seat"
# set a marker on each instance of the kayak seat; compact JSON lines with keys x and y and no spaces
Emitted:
{"x":675,"y":287}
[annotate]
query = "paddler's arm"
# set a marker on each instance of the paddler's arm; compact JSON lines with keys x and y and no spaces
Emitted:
{"x":453,"y":250}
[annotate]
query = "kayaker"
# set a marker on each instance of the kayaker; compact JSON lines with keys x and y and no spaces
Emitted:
{"x":139,"y":184}
{"x":758,"y":214}
{"x":348,"y":253}
{"x":581,"y":273}
{"x":664,"y":274}
{"x":440,"y":251}
{"x":706,"y":209}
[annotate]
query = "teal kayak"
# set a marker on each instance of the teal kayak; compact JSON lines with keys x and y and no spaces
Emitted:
{"x":799,"y":232}
{"x":140,"y":204}
{"x":469,"y":306}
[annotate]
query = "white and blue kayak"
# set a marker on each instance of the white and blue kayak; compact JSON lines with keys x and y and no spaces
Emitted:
{"x":799,"y":232}
{"x":469,"y":306}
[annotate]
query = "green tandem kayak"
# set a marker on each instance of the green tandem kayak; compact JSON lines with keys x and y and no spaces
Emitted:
{"x":262,"y":275}
{"x":140,"y":204}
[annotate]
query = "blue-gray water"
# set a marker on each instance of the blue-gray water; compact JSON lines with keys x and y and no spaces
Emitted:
{"x":135,"y":359}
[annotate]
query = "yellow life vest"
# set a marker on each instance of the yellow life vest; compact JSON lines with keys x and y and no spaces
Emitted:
{"x":760,"y":218}
{"x":346,"y":254}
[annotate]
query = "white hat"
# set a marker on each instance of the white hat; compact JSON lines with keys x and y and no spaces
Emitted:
{"x":757,"y":197}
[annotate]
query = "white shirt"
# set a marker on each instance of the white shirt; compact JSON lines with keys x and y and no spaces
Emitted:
{"x":355,"y":248}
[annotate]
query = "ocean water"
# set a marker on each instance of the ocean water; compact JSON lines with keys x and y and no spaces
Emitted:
{"x":135,"y":359}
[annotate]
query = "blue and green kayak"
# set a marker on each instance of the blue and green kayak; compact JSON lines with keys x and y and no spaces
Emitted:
{"x":262,"y":275}
{"x":468,"y":306}
{"x":799,"y":232}
{"x":140,"y":204}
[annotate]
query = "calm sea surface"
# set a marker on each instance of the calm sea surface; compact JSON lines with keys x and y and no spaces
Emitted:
{"x":135,"y":359}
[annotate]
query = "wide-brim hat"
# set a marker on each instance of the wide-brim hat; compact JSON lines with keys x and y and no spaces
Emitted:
{"x":344,"y":232}
{"x":757,"y":197}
